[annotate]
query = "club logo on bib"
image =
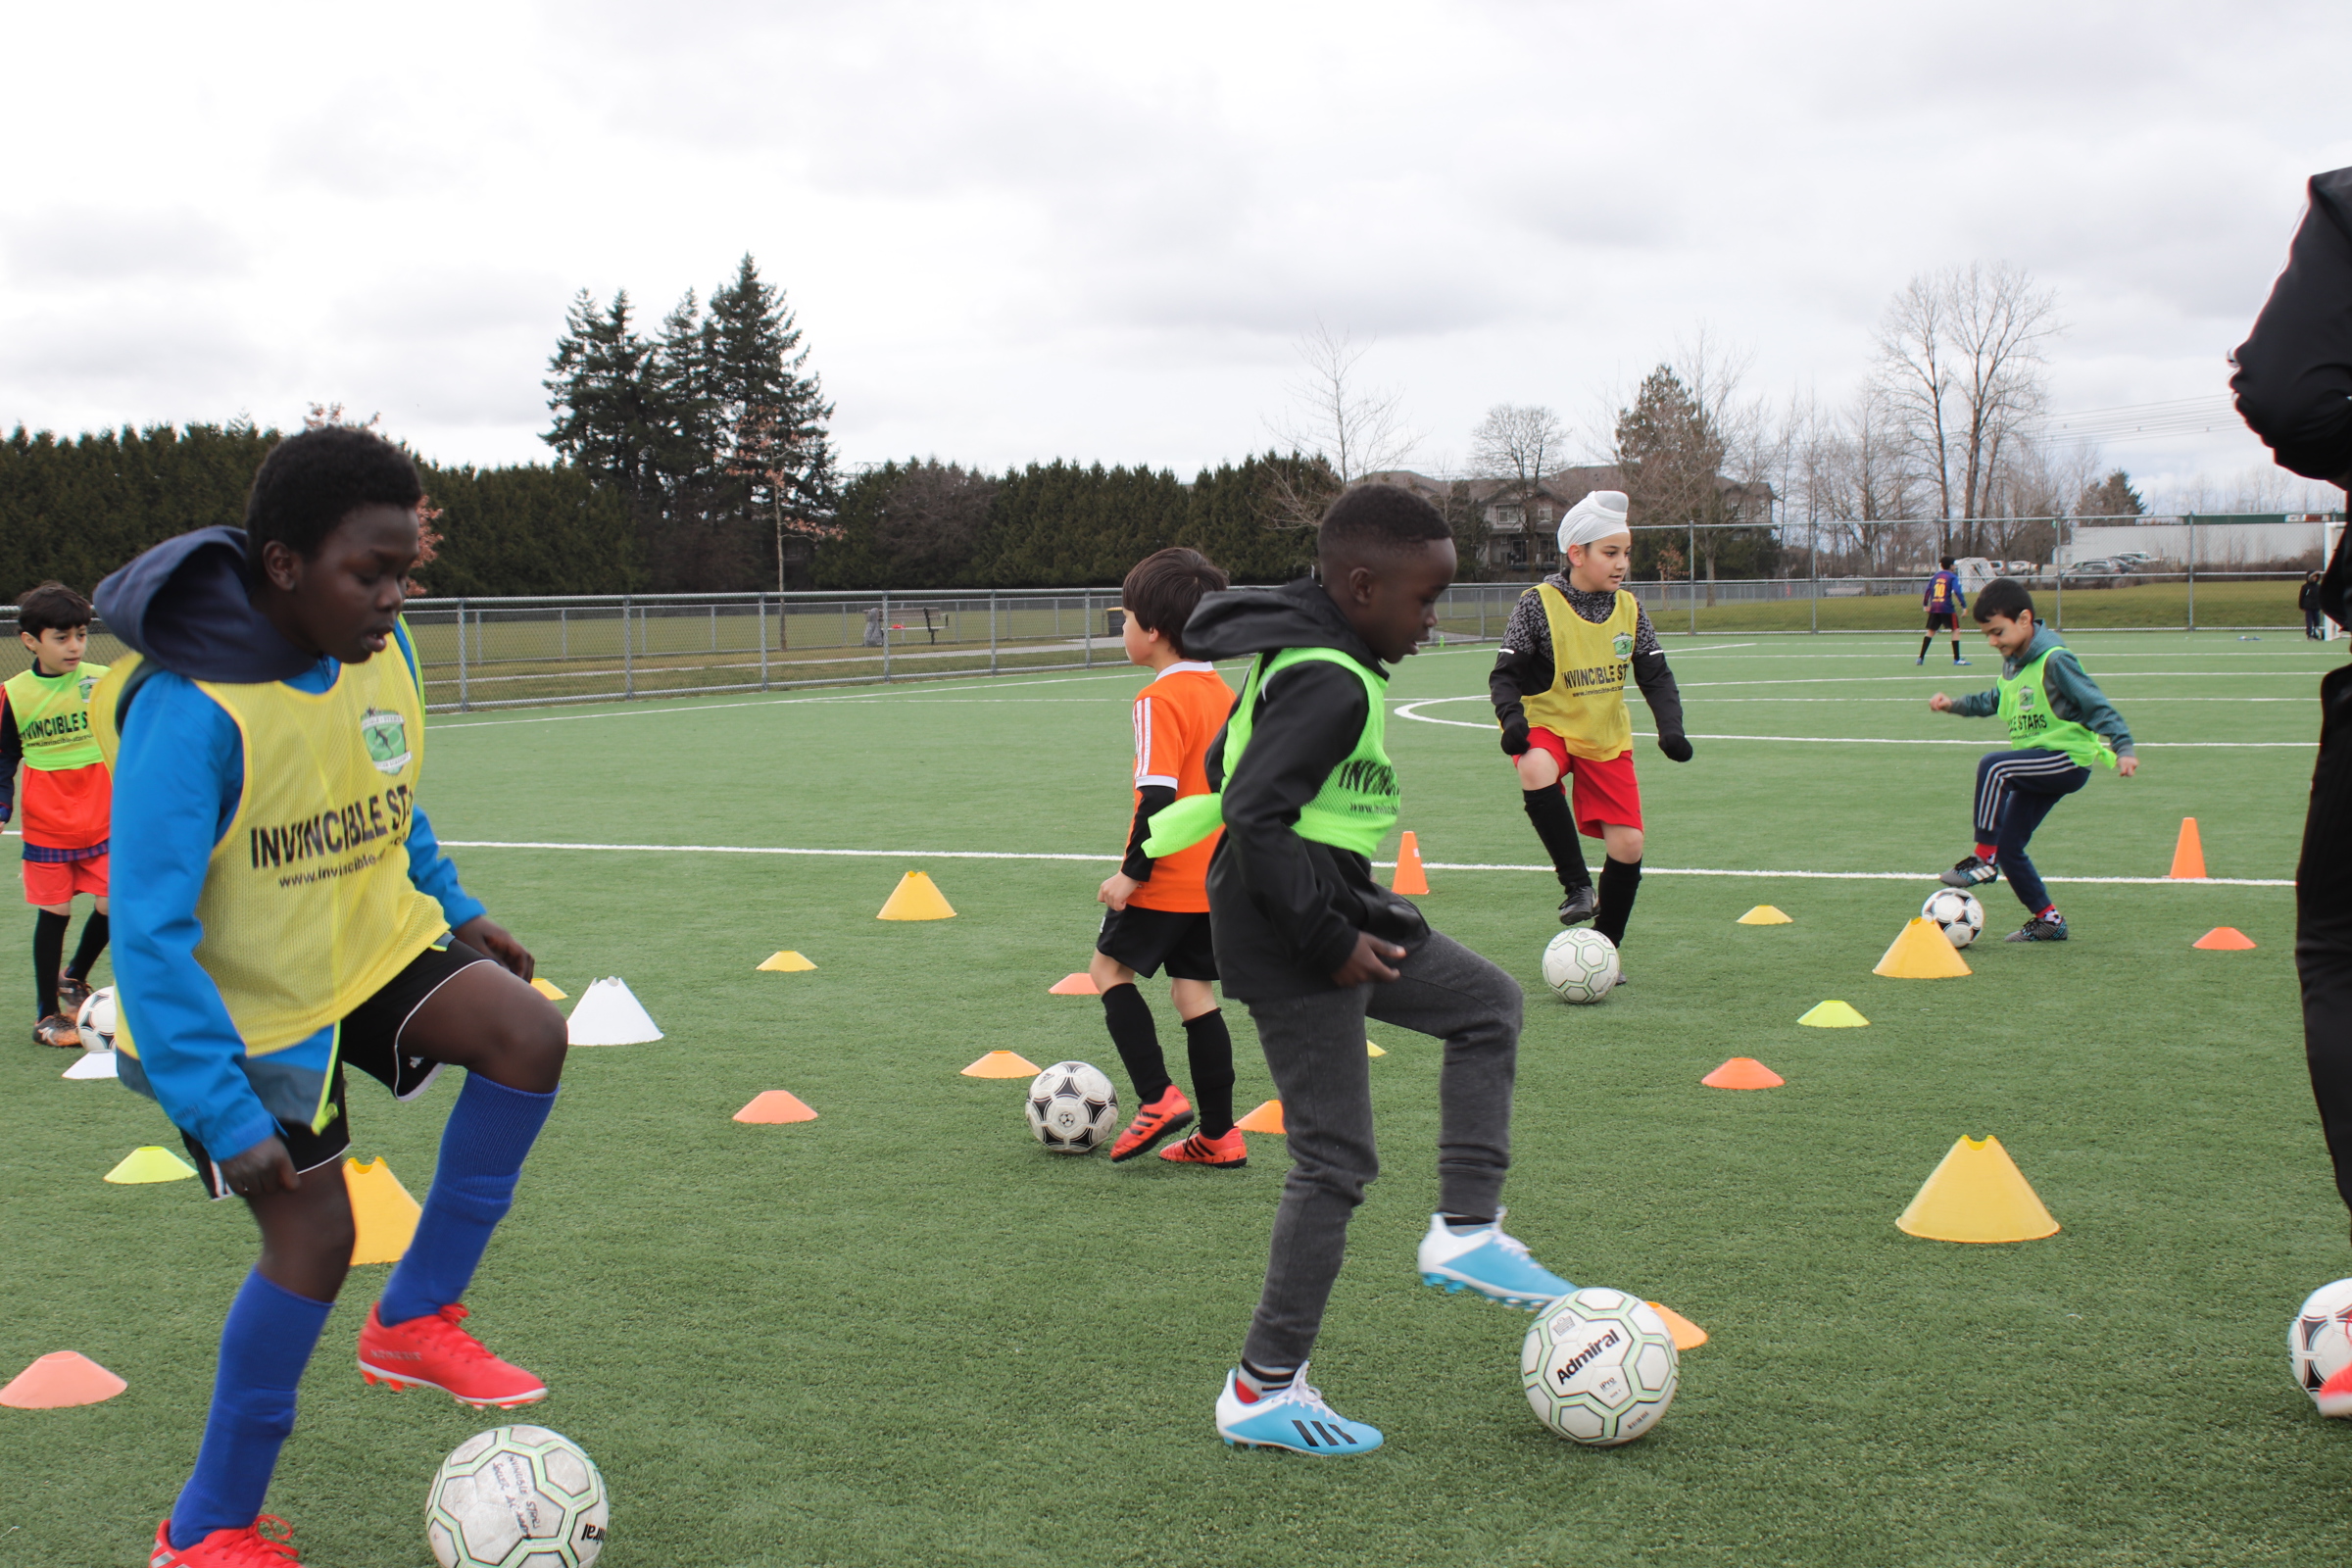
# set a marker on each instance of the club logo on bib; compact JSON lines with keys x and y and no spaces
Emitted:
{"x":388,"y":738}
{"x":89,"y":682}
{"x":1623,"y":643}
{"x":2025,"y":697}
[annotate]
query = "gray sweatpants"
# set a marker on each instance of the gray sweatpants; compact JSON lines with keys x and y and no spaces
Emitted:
{"x":1315,"y":1047}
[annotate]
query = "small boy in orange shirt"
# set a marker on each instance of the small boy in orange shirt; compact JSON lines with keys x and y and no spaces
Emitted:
{"x":67,"y":806}
{"x":1160,"y":909}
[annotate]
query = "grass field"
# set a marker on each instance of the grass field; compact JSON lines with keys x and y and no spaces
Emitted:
{"x":903,"y":1334}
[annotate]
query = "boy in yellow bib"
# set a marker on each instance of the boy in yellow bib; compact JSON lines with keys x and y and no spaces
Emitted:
{"x":284,"y":911}
{"x":1558,"y":689}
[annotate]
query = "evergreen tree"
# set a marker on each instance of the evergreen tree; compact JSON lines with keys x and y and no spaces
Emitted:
{"x":771,"y":442}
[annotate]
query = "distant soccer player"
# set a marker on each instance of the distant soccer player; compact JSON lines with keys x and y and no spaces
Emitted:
{"x":286,"y":913}
{"x":1944,"y":602}
{"x":2060,"y":726}
{"x":1558,"y":689}
{"x":1314,"y":945}
{"x":1160,"y":909}
{"x":45,"y":724}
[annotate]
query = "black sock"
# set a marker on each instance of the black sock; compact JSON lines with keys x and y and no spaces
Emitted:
{"x":1132,"y":1030}
{"x":1208,"y":1044}
{"x":1548,"y":809}
{"x":93,"y":944}
{"x":1955,"y":650}
{"x":48,"y":952}
{"x":1463,"y":1222}
{"x":1268,"y":1381}
{"x":1619,"y":882}
{"x":1926,"y":643}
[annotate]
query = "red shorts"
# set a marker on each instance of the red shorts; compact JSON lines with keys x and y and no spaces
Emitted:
{"x":1598,"y":792}
{"x":49,"y":883}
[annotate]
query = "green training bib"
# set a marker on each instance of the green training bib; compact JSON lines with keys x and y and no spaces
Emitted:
{"x":1358,"y":801}
{"x":2033,"y":725}
{"x":53,"y":717}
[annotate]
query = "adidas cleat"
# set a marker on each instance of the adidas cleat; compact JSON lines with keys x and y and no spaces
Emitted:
{"x":1485,"y":1261}
{"x":1229,"y":1153}
{"x":433,"y":1352}
{"x":1171,"y":1112}
{"x":1294,"y":1418}
{"x":2041,"y":928}
{"x":1972,"y":872}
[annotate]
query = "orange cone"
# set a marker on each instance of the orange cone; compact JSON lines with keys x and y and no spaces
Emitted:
{"x":2224,"y":938}
{"x":1687,"y":1336}
{"x":776,"y":1104}
{"x":2188,"y":855}
{"x":1743,"y":1072}
{"x":1074,"y":985}
{"x":1410,"y":878}
{"x":59,"y":1379}
{"x":1266,"y":1118}
{"x":1002,"y":1064}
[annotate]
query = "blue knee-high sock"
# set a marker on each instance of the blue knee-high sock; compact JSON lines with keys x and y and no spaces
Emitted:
{"x":482,"y":1150}
{"x":264,"y":1345}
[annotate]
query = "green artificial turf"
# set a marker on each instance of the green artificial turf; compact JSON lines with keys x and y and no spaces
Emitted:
{"x":903,"y":1333}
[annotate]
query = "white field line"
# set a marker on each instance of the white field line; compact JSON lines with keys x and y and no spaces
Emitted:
{"x":1108,"y":858}
{"x":1979,"y":742}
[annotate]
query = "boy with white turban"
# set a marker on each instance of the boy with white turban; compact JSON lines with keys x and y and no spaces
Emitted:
{"x":1558,"y":688}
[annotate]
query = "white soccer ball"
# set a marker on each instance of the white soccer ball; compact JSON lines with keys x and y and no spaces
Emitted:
{"x":1958,"y":915}
{"x":1072,"y":1108}
{"x":1581,"y":965}
{"x":96,"y":1020}
{"x":2319,"y":1342}
{"x":1600,"y":1367}
{"x":516,"y":1498}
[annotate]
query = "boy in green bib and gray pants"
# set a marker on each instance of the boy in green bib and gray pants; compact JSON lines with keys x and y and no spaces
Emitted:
{"x":2061,"y":725}
{"x":1313,"y":945}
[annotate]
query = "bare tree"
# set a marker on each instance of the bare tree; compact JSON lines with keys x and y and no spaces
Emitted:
{"x":1357,"y":431}
{"x":1960,"y":362}
{"x":1517,"y":444}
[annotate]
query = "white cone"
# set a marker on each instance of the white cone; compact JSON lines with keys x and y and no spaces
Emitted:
{"x":93,"y":1065}
{"x":609,"y":1013}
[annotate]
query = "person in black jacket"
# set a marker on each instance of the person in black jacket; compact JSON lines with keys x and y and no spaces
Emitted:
{"x":1314,"y":945}
{"x":2294,"y":390}
{"x":2307,"y":599}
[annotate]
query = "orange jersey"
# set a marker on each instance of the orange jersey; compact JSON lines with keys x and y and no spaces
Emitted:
{"x":1177,"y":719}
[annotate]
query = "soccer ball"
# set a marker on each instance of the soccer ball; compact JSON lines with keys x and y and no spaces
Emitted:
{"x":1958,"y":913}
{"x":1598,"y":1368}
{"x":1072,"y":1108}
{"x":96,"y":1020}
{"x":1581,"y":965}
{"x":2319,"y":1342}
{"x":516,"y":1498}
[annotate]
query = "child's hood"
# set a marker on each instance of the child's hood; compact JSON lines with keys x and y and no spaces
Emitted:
{"x":2044,"y":641}
{"x":1240,"y":621}
{"x":183,"y":604}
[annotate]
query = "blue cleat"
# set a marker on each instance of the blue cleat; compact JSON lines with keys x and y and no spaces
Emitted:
{"x":1295,"y":1419}
{"x":1962,"y":663}
{"x":1490,"y":1262}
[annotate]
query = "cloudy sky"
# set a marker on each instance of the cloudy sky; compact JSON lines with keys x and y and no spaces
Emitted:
{"x":1023,"y":231}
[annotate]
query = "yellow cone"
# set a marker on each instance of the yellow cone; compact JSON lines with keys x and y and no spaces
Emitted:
{"x":1764,"y":914}
{"x":1371,"y":1050}
{"x":1834,"y":1015}
{"x":548,"y":989}
{"x":787,"y":961}
{"x":916,"y":898}
{"x":1977,"y":1194}
{"x":381,"y":1211}
{"x":1922,"y":952}
{"x":151,"y":1163}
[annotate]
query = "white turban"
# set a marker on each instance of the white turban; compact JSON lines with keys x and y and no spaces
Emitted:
{"x":1596,"y":517}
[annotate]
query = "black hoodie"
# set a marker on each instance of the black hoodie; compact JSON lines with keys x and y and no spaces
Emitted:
{"x":1285,"y":910}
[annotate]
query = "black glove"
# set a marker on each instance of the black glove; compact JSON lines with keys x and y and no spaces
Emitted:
{"x":1514,"y":736}
{"x":1676,"y":746}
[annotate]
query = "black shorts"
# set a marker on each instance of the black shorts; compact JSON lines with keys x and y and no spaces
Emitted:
{"x":368,"y":1039}
{"x":1942,"y":621}
{"x":1144,"y":939}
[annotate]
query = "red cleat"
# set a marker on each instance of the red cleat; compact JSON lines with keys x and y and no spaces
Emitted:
{"x":433,"y":1352}
{"x":2335,"y":1396}
{"x":248,"y":1547}
{"x":1171,"y":1112}
{"x":1229,"y":1153}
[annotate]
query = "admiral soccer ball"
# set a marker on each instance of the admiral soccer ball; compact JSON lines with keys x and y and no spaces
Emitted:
{"x":1581,"y":965}
{"x":2319,"y":1342}
{"x":1072,"y":1108}
{"x":1958,"y":915}
{"x":516,"y":1498}
{"x":96,"y":1020}
{"x":1598,"y":1368}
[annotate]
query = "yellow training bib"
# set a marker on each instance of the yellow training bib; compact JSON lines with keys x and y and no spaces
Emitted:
{"x":307,"y":908}
{"x":1584,"y":704}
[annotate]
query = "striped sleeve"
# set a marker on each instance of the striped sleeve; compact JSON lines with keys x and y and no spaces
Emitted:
{"x":1158,"y":743}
